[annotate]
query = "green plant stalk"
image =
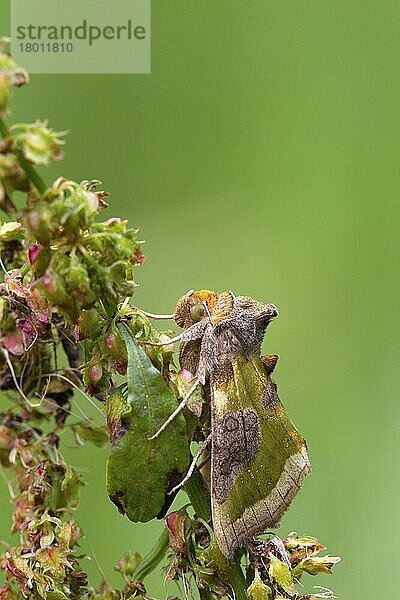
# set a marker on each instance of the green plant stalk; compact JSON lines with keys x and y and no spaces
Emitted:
{"x":31,"y":173}
{"x":200,"y":501}
{"x":24,"y":270}
{"x":152,"y":558}
{"x":205,"y":594}
{"x":237,"y":582}
{"x":199,"y":496}
{"x":3,"y":129}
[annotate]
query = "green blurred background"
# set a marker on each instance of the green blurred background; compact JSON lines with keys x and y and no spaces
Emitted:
{"x":262,"y":156}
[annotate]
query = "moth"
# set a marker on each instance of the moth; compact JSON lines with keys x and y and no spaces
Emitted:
{"x":258,"y":458}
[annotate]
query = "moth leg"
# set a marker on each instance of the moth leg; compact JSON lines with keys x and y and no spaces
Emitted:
{"x":166,"y":343}
{"x":192,"y":465}
{"x":207,"y":310}
{"x":194,"y":332}
{"x":176,"y":411}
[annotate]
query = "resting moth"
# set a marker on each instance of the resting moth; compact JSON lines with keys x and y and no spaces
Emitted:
{"x":258,"y":458}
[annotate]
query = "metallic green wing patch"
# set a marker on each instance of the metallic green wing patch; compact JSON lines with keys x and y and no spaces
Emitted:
{"x":259,"y":459}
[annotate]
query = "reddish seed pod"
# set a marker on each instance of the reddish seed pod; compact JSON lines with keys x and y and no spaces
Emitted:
{"x":96,"y":373}
{"x":186,"y":375}
{"x":33,"y":252}
{"x":48,"y":283}
{"x":171,"y":521}
{"x":111,"y":342}
{"x":177,"y":523}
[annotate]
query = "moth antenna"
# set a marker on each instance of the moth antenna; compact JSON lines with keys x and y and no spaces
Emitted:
{"x":176,"y":411}
{"x":153,"y":316}
{"x":166,"y":343}
{"x":192,"y":465}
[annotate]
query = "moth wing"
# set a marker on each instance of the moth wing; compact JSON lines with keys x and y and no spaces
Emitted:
{"x":258,"y":459}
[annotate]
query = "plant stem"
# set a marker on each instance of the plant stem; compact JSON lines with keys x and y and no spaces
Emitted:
{"x":33,"y":176}
{"x":238,"y":582}
{"x":31,"y":173}
{"x":153,"y":558}
{"x":3,"y":129}
{"x":199,"y":496}
{"x":201,"y":502}
{"x":24,"y":270}
{"x":205,"y":594}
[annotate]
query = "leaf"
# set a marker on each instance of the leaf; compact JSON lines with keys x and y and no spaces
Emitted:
{"x":47,"y":539}
{"x":56,"y":595}
{"x":10,"y":231}
{"x":301,"y":547}
{"x":128,"y":565}
{"x":258,"y":590}
{"x":38,"y":143}
{"x":280,"y":573}
{"x":65,"y":489}
{"x":139,"y":470}
{"x":316,"y":564}
{"x":84,"y":432}
{"x":293,"y":541}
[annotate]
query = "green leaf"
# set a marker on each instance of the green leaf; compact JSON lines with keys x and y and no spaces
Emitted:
{"x":56,"y":595}
{"x":38,"y":143}
{"x":128,"y":565}
{"x":139,"y":470}
{"x":84,"y":432}
{"x":11,"y":231}
{"x":65,"y":488}
{"x":316,"y":564}
{"x":258,"y":590}
{"x":293,"y":541}
{"x":280,"y":573}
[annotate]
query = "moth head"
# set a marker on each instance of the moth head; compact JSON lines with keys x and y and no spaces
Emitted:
{"x":271,"y":310}
{"x":257,"y":313}
{"x":194,"y":307}
{"x":263,"y":315}
{"x":255,"y":308}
